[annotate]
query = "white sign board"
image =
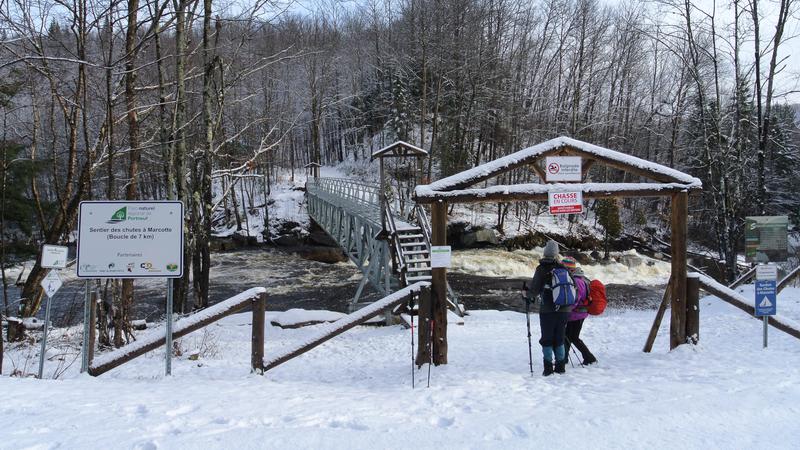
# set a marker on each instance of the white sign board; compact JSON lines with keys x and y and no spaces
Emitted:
{"x":440,"y":256}
{"x":130,"y":239}
{"x":563,"y":168}
{"x":54,"y":257}
{"x":768,"y":272}
{"x":565,"y":202}
{"x":51,"y":283}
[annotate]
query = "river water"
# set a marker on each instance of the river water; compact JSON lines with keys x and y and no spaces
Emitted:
{"x":294,"y":282}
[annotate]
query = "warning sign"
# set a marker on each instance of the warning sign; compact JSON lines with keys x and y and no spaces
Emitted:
{"x":565,"y":202}
{"x":563,"y":168}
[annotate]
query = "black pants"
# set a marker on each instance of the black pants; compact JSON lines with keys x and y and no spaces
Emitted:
{"x":553,"y":327}
{"x":574,"y":338}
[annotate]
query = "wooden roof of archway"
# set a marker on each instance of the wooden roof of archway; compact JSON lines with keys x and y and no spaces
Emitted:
{"x":662,"y":180}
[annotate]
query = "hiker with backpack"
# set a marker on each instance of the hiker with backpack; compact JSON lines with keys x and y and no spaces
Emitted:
{"x":579,"y":312}
{"x":553,"y":285}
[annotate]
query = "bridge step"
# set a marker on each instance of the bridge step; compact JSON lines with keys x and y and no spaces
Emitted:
{"x":418,"y":261}
{"x":419,"y":278}
{"x":410,"y":236}
{"x":415,"y":252}
{"x":412,"y":244}
{"x":418,"y":269}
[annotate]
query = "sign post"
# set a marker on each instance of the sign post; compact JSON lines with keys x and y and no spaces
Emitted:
{"x":766,"y":294}
{"x":51,"y":283}
{"x":131,"y":239}
{"x":440,"y":256}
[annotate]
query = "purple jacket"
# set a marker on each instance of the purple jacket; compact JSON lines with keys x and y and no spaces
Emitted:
{"x":579,"y":311}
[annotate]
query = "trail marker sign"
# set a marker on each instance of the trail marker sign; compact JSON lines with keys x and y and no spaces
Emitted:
{"x":142,"y":239}
{"x":51,"y":283}
{"x":766,"y":290}
{"x":565,"y":202}
{"x":563,"y":168}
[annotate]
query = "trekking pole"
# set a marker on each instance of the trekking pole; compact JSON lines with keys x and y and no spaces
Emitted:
{"x":576,"y":356}
{"x":432,"y":323}
{"x":411,"y":316}
{"x":528,"y":321}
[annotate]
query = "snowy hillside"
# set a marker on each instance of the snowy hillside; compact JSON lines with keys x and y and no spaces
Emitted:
{"x":355,"y":391}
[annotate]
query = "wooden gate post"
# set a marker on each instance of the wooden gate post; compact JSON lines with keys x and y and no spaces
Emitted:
{"x":439,"y":284}
{"x":680,"y":211}
{"x":693,"y":308}
{"x":257,"y":335}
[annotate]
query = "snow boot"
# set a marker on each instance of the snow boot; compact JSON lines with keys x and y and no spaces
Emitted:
{"x":589,"y":360}
{"x":548,"y":368}
{"x":561,"y":366}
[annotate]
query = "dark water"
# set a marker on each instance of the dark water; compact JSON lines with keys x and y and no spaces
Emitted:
{"x":294,"y":282}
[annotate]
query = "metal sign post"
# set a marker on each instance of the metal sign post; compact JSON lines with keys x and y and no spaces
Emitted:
{"x":85,"y":347}
{"x":766,"y":294}
{"x":130,"y":239}
{"x":168,"y":343}
{"x":51,"y":283}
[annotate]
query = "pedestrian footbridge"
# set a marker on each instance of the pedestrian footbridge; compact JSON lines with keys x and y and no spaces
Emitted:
{"x":390,"y":245}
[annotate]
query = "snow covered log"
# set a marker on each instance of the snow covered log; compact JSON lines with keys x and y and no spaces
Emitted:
{"x":334,"y":329}
{"x":182,"y":327}
{"x":734,"y":298}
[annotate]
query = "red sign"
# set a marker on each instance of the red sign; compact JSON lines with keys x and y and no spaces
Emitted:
{"x":565,"y":202}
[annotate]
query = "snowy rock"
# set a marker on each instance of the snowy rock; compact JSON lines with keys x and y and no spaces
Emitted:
{"x":630,"y":260}
{"x":328,"y":255}
{"x":481,"y":237}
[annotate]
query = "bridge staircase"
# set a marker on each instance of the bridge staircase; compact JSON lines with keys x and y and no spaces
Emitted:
{"x":392,"y":250}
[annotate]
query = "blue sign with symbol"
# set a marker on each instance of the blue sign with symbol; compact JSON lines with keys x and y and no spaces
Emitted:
{"x":766,"y":298}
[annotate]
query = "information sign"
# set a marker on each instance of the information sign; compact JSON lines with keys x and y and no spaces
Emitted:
{"x":54,"y":256}
{"x":563,"y":168}
{"x":565,"y":202}
{"x":130,"y":239}
{"x":765,"y":238}
{"x":440,"y":256}
{"x":766,"y":298}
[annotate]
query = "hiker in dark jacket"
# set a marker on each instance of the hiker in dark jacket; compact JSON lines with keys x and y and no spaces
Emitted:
{"x":579,"y":312}
{"x":552,"y":320}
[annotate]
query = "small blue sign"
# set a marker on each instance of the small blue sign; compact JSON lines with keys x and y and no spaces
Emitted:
{"x":766,"y":298}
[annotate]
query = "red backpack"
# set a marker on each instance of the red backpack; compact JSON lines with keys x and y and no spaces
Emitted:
{"x":597,"y":298}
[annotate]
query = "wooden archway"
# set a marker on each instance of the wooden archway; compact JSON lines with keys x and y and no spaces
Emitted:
{"x":660,"y":181}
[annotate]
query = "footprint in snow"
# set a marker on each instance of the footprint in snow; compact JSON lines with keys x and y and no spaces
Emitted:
{"x":442,"y":422}
{"x":146,"y":445}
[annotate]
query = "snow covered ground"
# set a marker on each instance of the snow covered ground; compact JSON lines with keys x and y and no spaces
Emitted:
{"x":355,"y":391}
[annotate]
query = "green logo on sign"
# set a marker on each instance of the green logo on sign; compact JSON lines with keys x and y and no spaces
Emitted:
{"x":172,"y":267}
{"x":119,"y":216}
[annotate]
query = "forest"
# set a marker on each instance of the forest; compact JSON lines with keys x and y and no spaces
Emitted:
{"x":183,"y":99}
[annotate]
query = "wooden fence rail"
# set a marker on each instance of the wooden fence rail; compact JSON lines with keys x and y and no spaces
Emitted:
{"x":334,"y":329}
{"x":255,"y":297}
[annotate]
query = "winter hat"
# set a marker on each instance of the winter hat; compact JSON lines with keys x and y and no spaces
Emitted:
{"x":570,"y":263}
{"x":551,"y":249}
{"x":578,"y":272}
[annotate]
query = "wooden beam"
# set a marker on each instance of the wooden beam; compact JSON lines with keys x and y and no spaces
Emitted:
{"x":693,"y":308}
{"x":198,"y":320}
{"x":331,"y":330}
{"x":257,"y":334}
{"x":586,"y":167}
{"x":538,"y":170}
{"x":479,"y":197}
{"x":743,"y":278}
{"x":439,"y":285}
{"x":679,"y":213}
{"x":788,"y":278}
{"x":651,"y":338}
{"x":731,"y":297}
